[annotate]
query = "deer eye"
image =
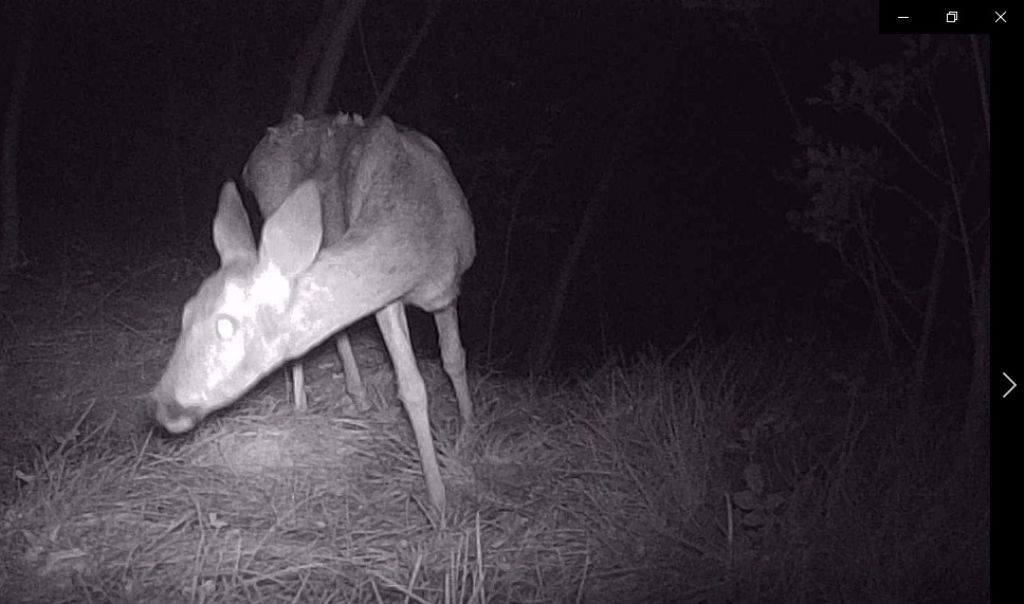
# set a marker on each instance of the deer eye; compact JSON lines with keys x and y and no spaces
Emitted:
{"x":226,"y":327}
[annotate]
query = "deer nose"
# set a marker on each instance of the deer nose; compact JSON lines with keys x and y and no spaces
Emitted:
{"x":173,"y":416}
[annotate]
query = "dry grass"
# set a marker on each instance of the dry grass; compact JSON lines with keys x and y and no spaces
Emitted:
{"x":732,"y":474}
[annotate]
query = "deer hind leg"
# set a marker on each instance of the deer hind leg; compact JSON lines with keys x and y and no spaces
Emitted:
{"x":454,"y":357}
{"x":353,"y":382}
{"x":413,"y":393}
{"x":298,"y":386}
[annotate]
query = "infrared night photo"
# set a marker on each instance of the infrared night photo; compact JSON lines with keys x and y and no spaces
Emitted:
{"x":470,"y":302}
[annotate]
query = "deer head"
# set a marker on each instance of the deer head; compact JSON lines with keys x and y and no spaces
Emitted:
{"x":231,"y":331}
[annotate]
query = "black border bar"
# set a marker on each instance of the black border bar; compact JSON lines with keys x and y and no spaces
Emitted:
{"x":947,"y":16}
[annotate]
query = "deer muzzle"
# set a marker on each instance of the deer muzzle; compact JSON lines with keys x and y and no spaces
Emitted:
{"x":172,"y":415}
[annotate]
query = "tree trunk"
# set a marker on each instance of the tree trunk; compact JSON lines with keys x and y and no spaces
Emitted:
{"x":10,"y":248}
{"x":931,"y":306}
{"x":977,"y":419}
{"x":543,"y":341}
{"x":330,"y":60}
{"x":310,"y":54}
{"x":976,"y":414}
{"x":410,"y":52}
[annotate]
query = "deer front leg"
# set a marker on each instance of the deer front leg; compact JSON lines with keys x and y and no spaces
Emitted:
{"x":299,"y":386}
{"x":413,"y":393}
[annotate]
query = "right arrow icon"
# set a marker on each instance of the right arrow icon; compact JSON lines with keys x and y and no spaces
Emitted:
{"x":1013,"y":385}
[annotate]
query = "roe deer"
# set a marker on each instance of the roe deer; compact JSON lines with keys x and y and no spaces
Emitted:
{"x":360,"y":219}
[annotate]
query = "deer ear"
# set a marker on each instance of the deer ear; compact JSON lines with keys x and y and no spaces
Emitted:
{"x":292,"y":234}
{"x":232,"y":235}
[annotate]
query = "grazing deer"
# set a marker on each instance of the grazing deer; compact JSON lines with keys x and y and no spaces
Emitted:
{"x":360,"y":219}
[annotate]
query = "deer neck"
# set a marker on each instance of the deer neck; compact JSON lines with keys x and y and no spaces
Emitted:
{"x":346,"y":282}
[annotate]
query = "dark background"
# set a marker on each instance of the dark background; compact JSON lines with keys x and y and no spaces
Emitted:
{"x":138,"y":111}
